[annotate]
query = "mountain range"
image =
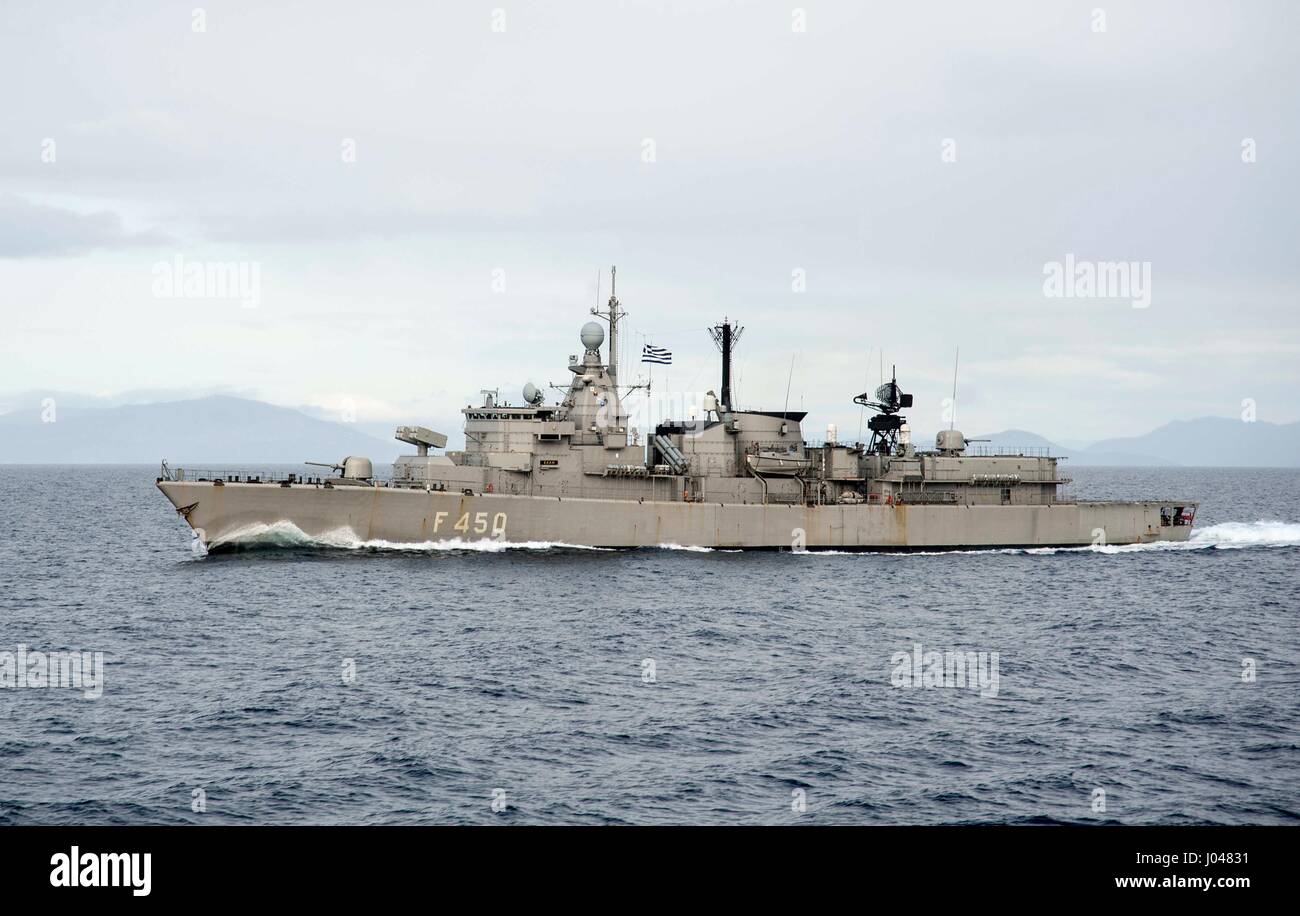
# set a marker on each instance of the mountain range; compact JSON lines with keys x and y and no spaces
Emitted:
{"x":1204,"y":442}
{"x":210,"y":429}
{"x":237,"y":430}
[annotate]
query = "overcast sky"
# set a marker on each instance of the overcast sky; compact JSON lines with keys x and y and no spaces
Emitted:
{"x":917,"y":165}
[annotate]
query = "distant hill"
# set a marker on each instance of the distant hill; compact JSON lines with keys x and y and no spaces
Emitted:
{"x":1013,"y":438}
{"x":213,"y":429}
{"x":1206,"y":442}
{"x":221,"y":429}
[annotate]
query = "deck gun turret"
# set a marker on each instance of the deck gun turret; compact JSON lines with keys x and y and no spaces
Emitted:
{"x":350,"y":468}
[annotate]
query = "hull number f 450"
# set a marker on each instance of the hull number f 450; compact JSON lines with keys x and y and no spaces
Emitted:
{"x":475,"y":523}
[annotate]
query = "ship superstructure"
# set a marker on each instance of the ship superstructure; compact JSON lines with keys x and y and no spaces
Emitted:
{"x":576,"y":472}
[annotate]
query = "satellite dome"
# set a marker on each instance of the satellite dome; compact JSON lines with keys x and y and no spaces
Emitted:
{"x":532,"y":395}
{"x":593,"y":335}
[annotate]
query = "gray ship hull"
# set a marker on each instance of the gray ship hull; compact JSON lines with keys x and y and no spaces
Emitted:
{"x":224,"y":513}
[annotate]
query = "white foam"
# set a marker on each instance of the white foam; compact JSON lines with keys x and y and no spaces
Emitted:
{"x":287,"y":534}
{"x":1224,"y":536}
{"x":1230,"y":535}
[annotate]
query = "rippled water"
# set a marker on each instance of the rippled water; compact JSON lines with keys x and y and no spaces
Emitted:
{"x":525,"y":670}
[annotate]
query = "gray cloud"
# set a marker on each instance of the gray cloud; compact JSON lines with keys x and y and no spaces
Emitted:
{"x":30,"y":229}
{"x":775,"y":150}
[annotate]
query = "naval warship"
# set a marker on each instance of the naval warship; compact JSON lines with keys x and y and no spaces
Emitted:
{"x":576,"y":472}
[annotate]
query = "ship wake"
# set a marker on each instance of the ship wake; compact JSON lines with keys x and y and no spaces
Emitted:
{"x":284,"y":534}
{"x":1224,"y":536}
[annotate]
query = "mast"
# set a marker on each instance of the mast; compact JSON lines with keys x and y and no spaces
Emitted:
{"x":613,"y":323}
{"x":726,"y":335}
{"x":613,"y":312}
{"x":726,"y":366}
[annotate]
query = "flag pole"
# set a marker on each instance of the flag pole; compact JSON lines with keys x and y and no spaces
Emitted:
{"x":649,"y":386}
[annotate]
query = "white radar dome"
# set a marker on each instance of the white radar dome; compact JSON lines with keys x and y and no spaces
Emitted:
{"x":593,"y":335}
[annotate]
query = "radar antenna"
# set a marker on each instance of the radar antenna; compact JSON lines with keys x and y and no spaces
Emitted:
{"x":888,"y":400}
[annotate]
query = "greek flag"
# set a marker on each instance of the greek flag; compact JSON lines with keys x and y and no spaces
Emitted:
{"x":658,"y":355}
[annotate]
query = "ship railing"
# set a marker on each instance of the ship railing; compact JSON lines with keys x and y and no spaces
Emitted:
{"x":245,"y":475}
{"x":962,"y":477}
{"x":815,"y":443}
{"x":781,"y":446}
{"x":1009,"y":451}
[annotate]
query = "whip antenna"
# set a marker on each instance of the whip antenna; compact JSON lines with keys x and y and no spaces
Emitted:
{"x":952,"y":414}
